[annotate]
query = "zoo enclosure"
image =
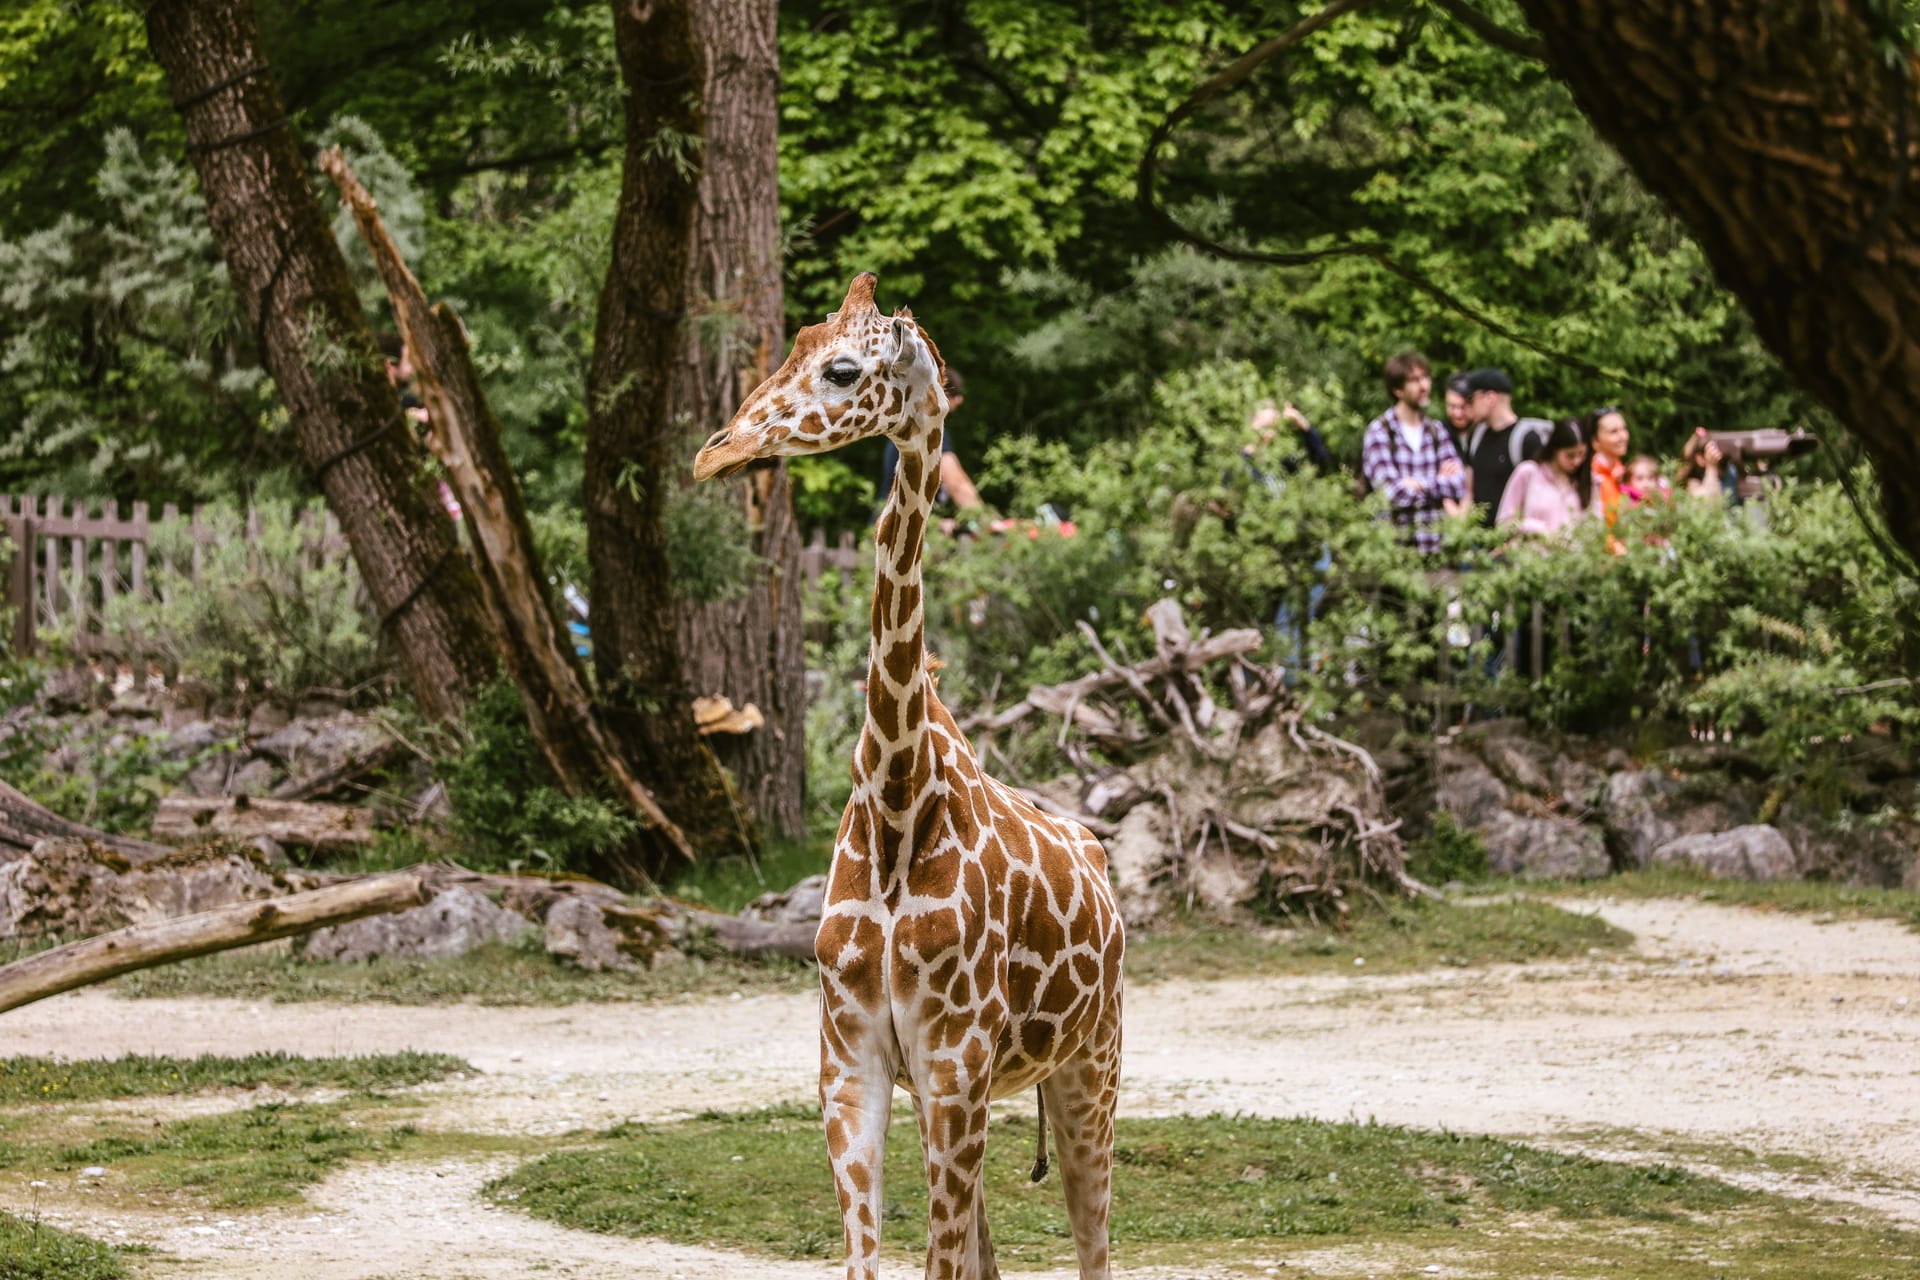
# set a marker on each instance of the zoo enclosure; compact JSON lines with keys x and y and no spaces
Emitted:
{"x":71,"y":559}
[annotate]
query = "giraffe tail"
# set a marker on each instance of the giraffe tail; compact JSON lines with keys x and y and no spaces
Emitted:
{"x":1040,"y":1159}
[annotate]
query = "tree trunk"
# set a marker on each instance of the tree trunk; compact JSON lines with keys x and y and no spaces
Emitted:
{"x":750,"y":648}
{"x":635,"y":448}
{"x":293,"y":283}
{"x":1782,"y":138}
{"x":465,"y":437}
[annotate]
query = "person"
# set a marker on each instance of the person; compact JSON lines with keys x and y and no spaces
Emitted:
{"x":956,"y":486}
{"x":1459,"y":411}
{"x":400,"y":375}
{"x":1702,"y":468}
{"x":1409,"y":457}
{"x":1500,"y":439}
{"x":1644,"y":481}
{"x":1263,"y":429}
{"x":1607,"y":428}
{"x":1547,"y":495}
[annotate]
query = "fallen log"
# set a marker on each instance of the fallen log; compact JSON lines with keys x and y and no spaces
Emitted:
{"x":24,"y":824}
{"x":242,"y":924}
{"x":349,"y":771}
{"x":327,"y":828}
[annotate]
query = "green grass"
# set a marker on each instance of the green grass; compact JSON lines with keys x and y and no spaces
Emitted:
{"x":1185,"y":1187}
{"x":496,"y":974}
{"x":28,"y":1080}
{"x":1800,"y":896}
{"x":30,"y":1251}
{"x":728,"y":884}
{"x":1408,"y":935}
{"x":1396,"y":938}
{"x":232,"y":1160}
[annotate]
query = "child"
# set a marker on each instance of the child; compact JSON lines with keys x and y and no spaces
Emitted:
{"x":1644,"y":482}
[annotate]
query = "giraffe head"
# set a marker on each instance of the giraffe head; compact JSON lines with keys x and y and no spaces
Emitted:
{"x":859,"y":374}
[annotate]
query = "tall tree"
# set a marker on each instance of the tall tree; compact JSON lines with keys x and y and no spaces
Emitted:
{"x":296,"y":292}
{"x":1783,"y":137}
{"x":748,"y":648}
{"x":636,"y":446}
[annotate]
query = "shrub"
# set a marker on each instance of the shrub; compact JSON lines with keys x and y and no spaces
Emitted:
{"x":273,"y":615}
{"x":507,"y":811}
{"x":1445,"y":852}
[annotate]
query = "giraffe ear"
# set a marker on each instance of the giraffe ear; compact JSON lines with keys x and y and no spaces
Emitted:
{"x":904,"y":347}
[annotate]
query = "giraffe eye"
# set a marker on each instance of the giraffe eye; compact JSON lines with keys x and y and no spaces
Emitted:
{"x":842,"y":373}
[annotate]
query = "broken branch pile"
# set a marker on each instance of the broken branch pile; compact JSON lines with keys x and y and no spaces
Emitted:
{"x":1223,"y":804}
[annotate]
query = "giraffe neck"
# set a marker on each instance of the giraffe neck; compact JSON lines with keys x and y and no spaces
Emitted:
{"x":893,"y":754}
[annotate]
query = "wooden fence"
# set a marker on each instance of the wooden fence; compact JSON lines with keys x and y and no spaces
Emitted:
{"x":71,"y":561}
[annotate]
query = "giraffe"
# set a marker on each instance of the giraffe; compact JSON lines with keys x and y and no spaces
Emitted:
{"x":970,"y":947}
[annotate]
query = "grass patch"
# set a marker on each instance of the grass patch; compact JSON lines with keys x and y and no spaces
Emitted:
{"x":1397,"y":938}
{"x":24,"y":1079}
{"x":1857,"y":902}
{"x":31,"y":1251}
{"x":728,"y":884}
{"x":758,"y":1181}
{"x":233,"y":1160}
{"x":496,"y":974}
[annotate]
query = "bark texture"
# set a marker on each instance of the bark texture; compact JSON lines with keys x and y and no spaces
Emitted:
{"x":465,"y":436}
{"x":748,"y":649}
{"x":1782,"y":136}
{"x":293,"y":282}
{"x":634,"y":442}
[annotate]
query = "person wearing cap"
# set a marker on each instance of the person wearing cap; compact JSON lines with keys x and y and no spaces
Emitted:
{"x":1409,"y":457}
{"x":1500,"y":439}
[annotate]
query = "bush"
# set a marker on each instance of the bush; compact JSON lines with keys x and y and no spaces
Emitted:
{"x":273,"y":616}
{"x":1445,"y":852}
{"x":508,"y":813}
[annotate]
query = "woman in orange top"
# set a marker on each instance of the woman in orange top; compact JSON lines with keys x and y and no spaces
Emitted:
{"x":1607,"y":429}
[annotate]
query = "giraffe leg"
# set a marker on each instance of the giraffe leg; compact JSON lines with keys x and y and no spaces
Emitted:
{"x":856,"y":1102}
{"x":951,"y":1106}
{"x":1081,"y":1098}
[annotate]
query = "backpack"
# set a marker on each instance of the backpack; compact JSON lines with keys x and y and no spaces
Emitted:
{"x":1527,"y":437}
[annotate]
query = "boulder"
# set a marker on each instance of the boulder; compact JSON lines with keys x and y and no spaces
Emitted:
{"x":576,"y":930}
{"x":457,"y":920}
{"x":800,"y":904}
{"x":1744,"y":853}
{"x":1633,"y":807}
{"x":1544,"y":847}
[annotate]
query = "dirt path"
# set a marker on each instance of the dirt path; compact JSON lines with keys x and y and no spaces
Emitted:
{"x":1728,"y":1026}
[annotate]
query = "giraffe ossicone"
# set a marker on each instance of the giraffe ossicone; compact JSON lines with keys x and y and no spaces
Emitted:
{"x":970,"y":946}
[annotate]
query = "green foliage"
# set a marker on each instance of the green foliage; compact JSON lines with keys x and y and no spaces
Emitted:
{"x":708,"y":544}
{"x":1444,"y":852}
{"x":99,"y":774}
{"x":42,"y":1080}
{"x":829,"y":495}
{"x":127,"y":363}
{"x":508,"y":813}
{"x":273,"y":616}
{"x":31,"y":1250}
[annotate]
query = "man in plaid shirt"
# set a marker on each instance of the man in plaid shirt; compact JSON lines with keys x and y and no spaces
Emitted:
{"x":1409,"y":457}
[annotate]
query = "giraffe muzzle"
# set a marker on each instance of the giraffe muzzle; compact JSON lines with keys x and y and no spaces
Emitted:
{"x":723,"y":455}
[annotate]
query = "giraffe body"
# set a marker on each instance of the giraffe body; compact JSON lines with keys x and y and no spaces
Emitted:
{"x":970,"y":947}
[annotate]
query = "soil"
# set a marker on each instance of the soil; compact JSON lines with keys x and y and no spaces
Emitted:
{"x":1726,"y":1031}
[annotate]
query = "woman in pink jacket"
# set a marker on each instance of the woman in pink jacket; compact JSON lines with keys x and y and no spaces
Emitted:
{"x":1546,"y":496}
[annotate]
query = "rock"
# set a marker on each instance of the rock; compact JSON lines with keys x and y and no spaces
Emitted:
{"x":190,"y":739}
{"x":254,"y":778}
{"x":456,"y":921}
{"x":1520,"y":762}
{"x":801,"y":904}
{"x":1633,"y":810}
{"x":271,"y":850}
{"x":1744,"y":853}
{"x":208,"y":779}
{"x":67,"y":888}
{"x":285,"y":743}
{"x":1548,"y":847}
{"x":577,"y":930}
{"x":1467,"y":789}
{"x":265,"y":718}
